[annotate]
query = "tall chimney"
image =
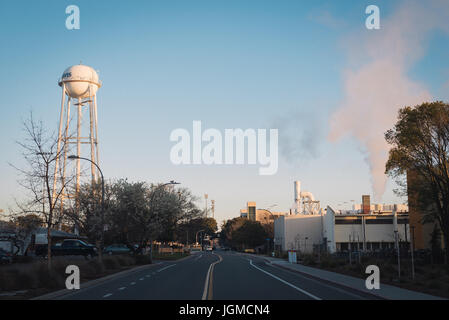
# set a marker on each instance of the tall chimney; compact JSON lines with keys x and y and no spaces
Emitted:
{"x":297,"y":190}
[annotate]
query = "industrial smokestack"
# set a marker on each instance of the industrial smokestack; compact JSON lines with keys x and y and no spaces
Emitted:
{"x":297,"y":190}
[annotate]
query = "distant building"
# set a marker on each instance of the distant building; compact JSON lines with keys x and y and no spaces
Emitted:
{"x":260,"y":215}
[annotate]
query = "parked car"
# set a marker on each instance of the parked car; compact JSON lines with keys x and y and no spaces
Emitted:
{"x":70,"y":247}
{"x":117,"y":249}
{"x":5,"y":257}
{"x":250,"y":251}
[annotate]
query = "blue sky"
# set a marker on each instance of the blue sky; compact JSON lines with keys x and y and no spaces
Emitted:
{"x":230,"y":64}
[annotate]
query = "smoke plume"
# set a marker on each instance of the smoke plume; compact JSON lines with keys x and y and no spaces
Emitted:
{"x":376,"y":81}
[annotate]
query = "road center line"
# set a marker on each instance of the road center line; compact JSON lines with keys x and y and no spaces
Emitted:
{"x":122,"y":288}
{"x":107,"y":295}
{"x":172,"y":265}
{"x":285,"y":282}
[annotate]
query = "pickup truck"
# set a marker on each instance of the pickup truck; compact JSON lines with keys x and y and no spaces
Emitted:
{"x":69,"y":247}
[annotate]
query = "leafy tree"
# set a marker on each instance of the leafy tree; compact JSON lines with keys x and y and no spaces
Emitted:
{"x":250,"y":234}
{"x":228,"y":227}
{"x":135,"y":213}
{"x":189,"y":229}
{"x":182,"y":215}
{"x":420,"y":145}
{"x":86,"y":213}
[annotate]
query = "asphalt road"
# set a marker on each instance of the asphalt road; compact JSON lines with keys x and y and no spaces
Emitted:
{"x":219,"y":276}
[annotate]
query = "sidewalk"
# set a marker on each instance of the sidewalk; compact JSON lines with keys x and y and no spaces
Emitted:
{"x":386,"y":291}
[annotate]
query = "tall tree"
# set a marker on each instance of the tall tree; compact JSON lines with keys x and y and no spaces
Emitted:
{"x":420,"y":144}
{"x":40,"y":152}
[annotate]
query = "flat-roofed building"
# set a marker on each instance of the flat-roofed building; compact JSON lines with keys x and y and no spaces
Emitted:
{"x":260,"y":215}
{"x":336,"y":232}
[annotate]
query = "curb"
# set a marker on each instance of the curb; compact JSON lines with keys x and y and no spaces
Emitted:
{"x":92,"y":283}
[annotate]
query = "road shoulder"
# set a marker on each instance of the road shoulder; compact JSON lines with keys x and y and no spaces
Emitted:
{"x":386,"y":292}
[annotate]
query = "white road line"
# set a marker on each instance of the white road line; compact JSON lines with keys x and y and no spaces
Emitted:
{"x":132,"y":283}
{"x":141,"y":279}
{"x":172,"y":265}
{"x":122,"y":288}
{"x":148,"y":276}
{"x":319,"y":282}
{"x":199,"y":257}
{"x":285,"y":282}
{"x":107,"y":295}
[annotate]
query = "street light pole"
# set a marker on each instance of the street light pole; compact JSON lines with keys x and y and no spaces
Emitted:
{"x":100,"y":250}
{"x":398,"y":253}
{"x":412,"y":240}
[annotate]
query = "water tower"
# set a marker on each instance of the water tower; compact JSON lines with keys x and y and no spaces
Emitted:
{"x":79,"y":85}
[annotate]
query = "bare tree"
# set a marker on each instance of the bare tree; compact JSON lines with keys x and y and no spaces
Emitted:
{"x":41,"y":151}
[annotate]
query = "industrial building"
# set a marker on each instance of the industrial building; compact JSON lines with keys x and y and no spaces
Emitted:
{"x":335,"y":232}
{"x":261,"y":215}
{"x":367,"y":228}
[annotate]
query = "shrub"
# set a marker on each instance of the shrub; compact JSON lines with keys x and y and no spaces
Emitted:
{"x":434,"y":275}
{"x":309,"y":260}
{"x":419,"y":283}
{"x":23,"y":259}
{"x":110,"y":263}
{"x":96,"y":265}
{"x":25,"y":280}
{"x":6,"y":281}
{"x":91,"y":269}
{"x":125,"y":260}
{"x":142,"y":259}
{"x":434,"y":285}
{"x":48,"y":279}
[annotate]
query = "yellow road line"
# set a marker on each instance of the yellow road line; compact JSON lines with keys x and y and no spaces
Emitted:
{"x":207,"y":293}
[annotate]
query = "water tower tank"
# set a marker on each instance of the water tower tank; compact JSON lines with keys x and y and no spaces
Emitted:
{"x":80,"y":81}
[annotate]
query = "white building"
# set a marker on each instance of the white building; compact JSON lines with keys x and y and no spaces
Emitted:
{"x":335,"y":232}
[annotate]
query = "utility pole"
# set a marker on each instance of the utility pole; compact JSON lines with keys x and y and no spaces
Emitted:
{"x":358,"y":248}
{"x":398,"y":251}
{"x":205,"y":198}
{"x":213,"y":208}
{"x":412,"y":247}
{"x":349,"y":250}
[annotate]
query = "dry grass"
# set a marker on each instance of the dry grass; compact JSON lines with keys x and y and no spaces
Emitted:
{"x":431,"y":279}
{"x":36,"y":278}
